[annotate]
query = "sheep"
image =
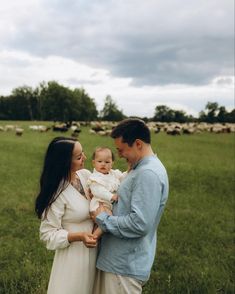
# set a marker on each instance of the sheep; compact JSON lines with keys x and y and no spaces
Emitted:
{"x":173,"y":132}
{"x":102,"y":133}
{"x":92,"y":131}
{"x":19,"y":131}
{"x":76,"y":132}
{"x":188,"y":131}
{"x":98,"y":129}
{"x":60,"y":128}
{"x":9,"y":127}
{"x":157,"y":130}
{"x":39,"y":128}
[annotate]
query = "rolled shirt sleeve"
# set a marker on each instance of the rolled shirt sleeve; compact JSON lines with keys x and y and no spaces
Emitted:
{"x":145,"y":203}
{"x":51,"y":230}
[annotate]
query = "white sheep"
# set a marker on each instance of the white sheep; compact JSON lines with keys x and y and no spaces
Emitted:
{"x":19,"y":131}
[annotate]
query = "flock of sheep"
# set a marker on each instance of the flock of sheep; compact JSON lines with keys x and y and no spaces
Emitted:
{"x":104,"y":128}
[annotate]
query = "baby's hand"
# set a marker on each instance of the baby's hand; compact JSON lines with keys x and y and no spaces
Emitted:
{"x":114,"y":198}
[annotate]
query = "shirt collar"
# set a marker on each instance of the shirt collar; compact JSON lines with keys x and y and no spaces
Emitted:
{"x":142,"y":161}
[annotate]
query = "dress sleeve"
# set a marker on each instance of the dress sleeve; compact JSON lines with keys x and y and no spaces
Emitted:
{"x":51,"y":231}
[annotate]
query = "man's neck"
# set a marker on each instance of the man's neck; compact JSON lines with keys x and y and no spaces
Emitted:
{"x":147,"y":151}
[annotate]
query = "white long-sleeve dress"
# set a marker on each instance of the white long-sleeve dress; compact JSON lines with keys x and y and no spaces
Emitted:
{"x":73,"y":269}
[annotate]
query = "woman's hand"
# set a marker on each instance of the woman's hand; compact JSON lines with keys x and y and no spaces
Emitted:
{"x":88,"y":239}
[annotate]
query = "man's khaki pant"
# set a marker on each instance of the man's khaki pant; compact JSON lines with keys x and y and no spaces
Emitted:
{"x":108,"y":283}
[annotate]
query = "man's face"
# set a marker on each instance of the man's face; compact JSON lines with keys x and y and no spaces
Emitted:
{"x":130,"y":153}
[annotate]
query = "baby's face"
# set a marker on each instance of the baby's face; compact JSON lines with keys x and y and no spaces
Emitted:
{"x":103,"y":161}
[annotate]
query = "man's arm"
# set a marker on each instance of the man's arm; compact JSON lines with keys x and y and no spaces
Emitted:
{"x":145,"y":203}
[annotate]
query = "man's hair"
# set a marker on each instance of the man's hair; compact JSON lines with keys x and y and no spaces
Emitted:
{"x":98,"y":149}
{"x":131,"y":129}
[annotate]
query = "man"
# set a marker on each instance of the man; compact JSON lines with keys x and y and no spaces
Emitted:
{"x":128,"y":245}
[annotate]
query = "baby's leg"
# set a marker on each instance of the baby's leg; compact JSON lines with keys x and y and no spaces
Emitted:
{"x":97,"y":231}
{"x":94,"y":204}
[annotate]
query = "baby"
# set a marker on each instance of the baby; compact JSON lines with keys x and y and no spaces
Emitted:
{"x":104,"y":181}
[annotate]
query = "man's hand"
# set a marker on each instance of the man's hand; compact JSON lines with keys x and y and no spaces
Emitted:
{"x":100,"y":209}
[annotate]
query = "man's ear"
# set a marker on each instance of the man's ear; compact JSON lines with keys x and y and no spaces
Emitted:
{"x":139,"y":144}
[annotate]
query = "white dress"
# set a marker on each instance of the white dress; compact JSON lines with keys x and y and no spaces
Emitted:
{"x":74,"y":265}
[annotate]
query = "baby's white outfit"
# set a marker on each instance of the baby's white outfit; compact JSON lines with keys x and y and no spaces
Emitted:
{"x":103,"y":186}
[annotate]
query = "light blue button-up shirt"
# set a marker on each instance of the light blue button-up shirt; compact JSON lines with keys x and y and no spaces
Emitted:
{"x":128,"y":245}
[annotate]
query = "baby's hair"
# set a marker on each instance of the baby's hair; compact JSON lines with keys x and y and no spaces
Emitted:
{"x":98,"y":149}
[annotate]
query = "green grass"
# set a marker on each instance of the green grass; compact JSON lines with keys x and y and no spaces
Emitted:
{"x":195,"y":237}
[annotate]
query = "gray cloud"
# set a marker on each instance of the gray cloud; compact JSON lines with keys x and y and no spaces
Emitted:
{"x":80,"y":82}
{"x":225,"y":81}
{"x":153,"y":42}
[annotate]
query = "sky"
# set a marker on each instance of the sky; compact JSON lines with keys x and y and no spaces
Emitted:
{"x":178,"y":53}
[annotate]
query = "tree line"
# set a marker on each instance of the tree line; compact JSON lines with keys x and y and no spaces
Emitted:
{"x":213,"y":113}
{"x":54,"y":102}
{"x":49,"y":101}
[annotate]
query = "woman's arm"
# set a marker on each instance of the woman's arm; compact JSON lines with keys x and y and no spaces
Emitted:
{"x":89,"y":240}
{"x":54,"y":235}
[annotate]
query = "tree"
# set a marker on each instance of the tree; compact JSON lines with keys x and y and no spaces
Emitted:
{"x":202,"y":116}
{"x":49,"y":101}
{"x":23,"y":104}
{"x":180,"y":116}
{"x":222,"y":114}
{"x":56,"y":102}
{"x":163,"y":114}
{"x":59,"y":103}
{"x":110,"y":112}
{"x":5,"y":109}
{"x":230,"y":117}
{"x":211,"y":108}
{"x":84,"y":106}
{"x":215,"y":113}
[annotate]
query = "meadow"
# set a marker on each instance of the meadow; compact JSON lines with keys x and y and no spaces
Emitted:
{"x":195,"y":238}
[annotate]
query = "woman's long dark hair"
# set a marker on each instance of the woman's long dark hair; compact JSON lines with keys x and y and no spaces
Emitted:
{"x":56,"y":173}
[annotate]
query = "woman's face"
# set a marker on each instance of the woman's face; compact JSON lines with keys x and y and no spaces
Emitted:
{"x":78,"y":157}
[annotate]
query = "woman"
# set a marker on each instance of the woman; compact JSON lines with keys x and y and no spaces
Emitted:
{"x":63,"y":207}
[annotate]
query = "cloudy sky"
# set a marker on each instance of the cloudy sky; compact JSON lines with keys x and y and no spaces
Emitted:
{"x":179,"y":53}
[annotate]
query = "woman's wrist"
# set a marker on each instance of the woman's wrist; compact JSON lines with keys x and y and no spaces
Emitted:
{"x":73,"y":237}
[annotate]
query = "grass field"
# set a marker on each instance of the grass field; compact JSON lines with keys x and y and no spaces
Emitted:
{"x":195,"y":240}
